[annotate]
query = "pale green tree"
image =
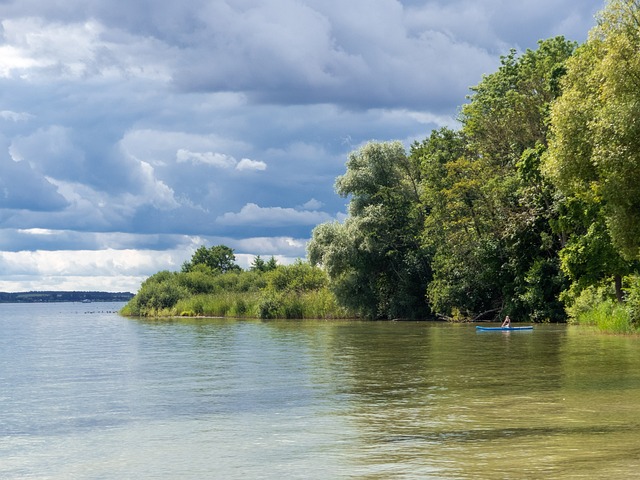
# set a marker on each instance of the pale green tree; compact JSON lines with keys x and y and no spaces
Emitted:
{"x":374,"y":258}
{"x":595,"y":148}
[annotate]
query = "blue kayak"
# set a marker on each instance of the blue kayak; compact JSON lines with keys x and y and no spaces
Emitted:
{"x":503,"y":329}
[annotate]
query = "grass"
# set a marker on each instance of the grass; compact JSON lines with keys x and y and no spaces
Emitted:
{"x":320,"y":303}
{"x":607,"y":316}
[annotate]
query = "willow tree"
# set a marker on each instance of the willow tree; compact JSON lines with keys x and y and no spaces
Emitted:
{"x":594,"y":154}
{"x":374,"y":258}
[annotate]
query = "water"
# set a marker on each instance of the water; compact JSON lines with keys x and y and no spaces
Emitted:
{"x":87,"y":394}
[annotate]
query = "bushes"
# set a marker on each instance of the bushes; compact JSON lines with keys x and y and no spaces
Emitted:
{"x":293,"y":291}
{"x":596,"y":306}
{"x":157,"y":294}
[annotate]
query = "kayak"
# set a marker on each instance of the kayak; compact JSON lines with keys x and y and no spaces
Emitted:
{"x":504,"y":329}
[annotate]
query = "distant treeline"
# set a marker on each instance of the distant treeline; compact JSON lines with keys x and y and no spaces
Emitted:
{"x":54,"y":296}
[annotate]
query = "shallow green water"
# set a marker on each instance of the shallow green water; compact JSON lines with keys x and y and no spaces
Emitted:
{"x":88,"y":394}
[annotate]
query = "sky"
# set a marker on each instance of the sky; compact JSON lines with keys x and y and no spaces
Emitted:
{"x":134,"y":131}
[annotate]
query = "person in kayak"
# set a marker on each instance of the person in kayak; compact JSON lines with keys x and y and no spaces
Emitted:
{"x":507,"y":322}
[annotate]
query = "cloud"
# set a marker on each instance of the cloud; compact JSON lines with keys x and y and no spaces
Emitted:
{"x":207,"y":158}
{"x":40,"y":49}
{"x":22,"y":188}
{"x":112,"y":270}
{"x":15,"y":116}
{"x":254,"y":215}
{"x":248,"y":164}
{"x":152,"y":126}
{"x":351,"y":53}
{"x":312,"y":204}
{"x":219,"y":160}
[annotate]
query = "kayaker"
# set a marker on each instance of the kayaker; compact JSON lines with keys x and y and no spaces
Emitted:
{"x":507,"y":322}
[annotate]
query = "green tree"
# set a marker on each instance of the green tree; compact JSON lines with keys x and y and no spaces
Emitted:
{"x":374,"y":259}
{"x":271,"y":264}
{"x":594,"y":152}
{"x":219,"y":258}
{"x":489,"y":206}
{"x":258,"y":264}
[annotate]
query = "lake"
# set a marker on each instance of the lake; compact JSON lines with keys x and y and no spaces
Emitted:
{"x":87,"y":394}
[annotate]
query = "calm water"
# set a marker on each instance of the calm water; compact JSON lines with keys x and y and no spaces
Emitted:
{"x":86,"y":394}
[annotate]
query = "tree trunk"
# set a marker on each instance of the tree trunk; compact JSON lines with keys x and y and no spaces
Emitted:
{"x":618,"y":283}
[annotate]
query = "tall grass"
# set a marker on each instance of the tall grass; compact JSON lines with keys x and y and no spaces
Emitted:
{"x":296,"y":292}
{"x":595,"y":307}
{"x":224,"y":304}
{"x":266,"y":304}
{"x":608,"y":316}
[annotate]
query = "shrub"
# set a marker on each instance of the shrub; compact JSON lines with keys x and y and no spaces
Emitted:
{"x":270,"y":306}
{"x":633,"y":299}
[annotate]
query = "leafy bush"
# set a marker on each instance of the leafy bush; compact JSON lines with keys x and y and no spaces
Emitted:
{"x":633,"y":299}
{"x":294,"y":291}
{"x":299,"y":277}
{"x":270,"y":306}
{"x":158,"y":293}
{"x":596,"y":306}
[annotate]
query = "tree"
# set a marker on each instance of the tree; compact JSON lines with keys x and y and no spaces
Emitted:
{"x":594,"y":151}
{"x":489,"y":207}
{"x":374,"y":259}
{"x":220,"y":259}
{"x":258,"y":264}
{"x":271,"y":264}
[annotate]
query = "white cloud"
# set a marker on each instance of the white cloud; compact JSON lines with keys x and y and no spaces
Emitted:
{"x":247,"y":164}
{"x":84,"y":268}
{"x":36,"y":231}
{"x":208,"y":158}
{"x":313,"y":204}
{"x":254,"y":215}
{"x":219,"y":160}
{"x":14,"y":116}
{"x":288,"y":246}
{"x":12,"y":59}
{"x":39,"y":49}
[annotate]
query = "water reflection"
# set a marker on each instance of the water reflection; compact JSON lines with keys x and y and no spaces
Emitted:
{"x":120,"y":398}
{"x":428,"y":400}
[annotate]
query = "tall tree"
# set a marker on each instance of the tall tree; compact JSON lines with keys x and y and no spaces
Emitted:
{"x":594,"y":153}
{"x":374,"y":258}
{"x":491,"y":204}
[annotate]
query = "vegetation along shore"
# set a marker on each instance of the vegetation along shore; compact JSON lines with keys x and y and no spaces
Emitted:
{"x":531,"y":208}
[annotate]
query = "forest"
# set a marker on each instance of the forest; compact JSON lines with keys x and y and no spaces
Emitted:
{"x":530,"y":209}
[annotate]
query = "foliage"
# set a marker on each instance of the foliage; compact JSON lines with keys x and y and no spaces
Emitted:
{"x":596,"y":307}
{"x":595,"y":150}
{"x":259,"y":265}
{"x":293,"y":291}
{"x":219,"y":259}
{"x":374,"y":259}
{"x":489,"y":208}
{"x":633,"y":299}
{"x":158,"y":293}
{"x":299,"y":277}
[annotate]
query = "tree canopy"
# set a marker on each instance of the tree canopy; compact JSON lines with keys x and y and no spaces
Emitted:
{"x":218,"y":259}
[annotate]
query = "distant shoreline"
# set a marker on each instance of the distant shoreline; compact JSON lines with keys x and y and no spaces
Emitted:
{"x":64,"y":296}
